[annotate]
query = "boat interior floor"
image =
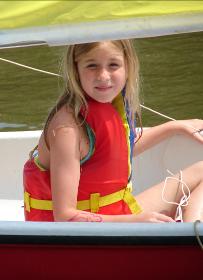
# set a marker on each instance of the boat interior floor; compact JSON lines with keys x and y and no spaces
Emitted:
{"x":9,"y":208}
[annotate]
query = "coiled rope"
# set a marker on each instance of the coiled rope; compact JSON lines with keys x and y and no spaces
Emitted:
{"x":185,"y":191}
{"x":197,"y":233}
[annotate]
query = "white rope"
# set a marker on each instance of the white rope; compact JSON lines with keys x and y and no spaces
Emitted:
{"x":156,"y":112}
{"x":185,"y":198}
{"x":197,"y":233}
{"x":28,"y":67}
{"x":167,"y":117}
{"x":14,"y":46}
{"x":54,"y":74}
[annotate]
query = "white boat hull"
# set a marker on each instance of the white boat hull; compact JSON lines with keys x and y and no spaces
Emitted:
{"x":149,"y":168}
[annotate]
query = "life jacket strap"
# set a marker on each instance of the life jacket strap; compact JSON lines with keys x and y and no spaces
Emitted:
{"x":93,"y":204}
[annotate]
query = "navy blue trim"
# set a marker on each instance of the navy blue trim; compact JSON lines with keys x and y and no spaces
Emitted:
{"x":99,"y":240}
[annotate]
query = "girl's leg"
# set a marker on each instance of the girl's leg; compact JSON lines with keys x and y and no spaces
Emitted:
{"x":151,"y":199}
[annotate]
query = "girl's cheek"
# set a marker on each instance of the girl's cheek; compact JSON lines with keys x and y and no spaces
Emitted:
{"x":87,"y":74}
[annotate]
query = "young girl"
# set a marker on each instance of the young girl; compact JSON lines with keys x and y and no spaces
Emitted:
{"x":81,"y":168}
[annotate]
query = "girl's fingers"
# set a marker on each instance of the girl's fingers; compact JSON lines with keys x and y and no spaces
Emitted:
{"x":198,"y":136}
{"x":152,"y":217}
{"x":164,"y":218}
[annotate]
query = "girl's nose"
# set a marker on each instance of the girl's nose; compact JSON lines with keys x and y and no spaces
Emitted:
{"x":103,"y":75}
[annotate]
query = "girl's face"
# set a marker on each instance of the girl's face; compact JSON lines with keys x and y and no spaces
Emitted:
{"x":102,"y":72}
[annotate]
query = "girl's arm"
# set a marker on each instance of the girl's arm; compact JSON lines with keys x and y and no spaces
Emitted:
{"x":64,"y":141}
{"x":156,"y":134}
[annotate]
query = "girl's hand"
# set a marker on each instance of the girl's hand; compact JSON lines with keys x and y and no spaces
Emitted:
{"x":152,"y":217}
{"x":192,"y":128}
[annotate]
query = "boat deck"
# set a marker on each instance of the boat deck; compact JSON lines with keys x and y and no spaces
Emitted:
{"x":11,"y":210}
{"x":174,"y":154}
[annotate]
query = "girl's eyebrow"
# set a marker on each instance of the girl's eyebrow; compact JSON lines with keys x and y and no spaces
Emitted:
{"x":90,"y":60}
{"x":111,"y":59}
{"x":116,"y":58}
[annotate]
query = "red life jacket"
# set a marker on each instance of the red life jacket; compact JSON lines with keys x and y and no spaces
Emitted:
{"x":106,"y":171}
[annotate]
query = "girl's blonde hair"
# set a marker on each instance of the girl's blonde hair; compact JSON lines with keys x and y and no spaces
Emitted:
{"x":74,"y":96}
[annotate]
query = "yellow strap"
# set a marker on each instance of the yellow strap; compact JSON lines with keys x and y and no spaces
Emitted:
{"x":119,"y":105}
{"x":36,"y":203}
{"x":101,"y":200}
{"x":131,"y":201}
{"x":96,"y":201}
{"x":26,"y":201}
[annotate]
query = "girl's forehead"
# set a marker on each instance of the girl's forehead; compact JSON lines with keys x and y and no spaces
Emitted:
{"x":107,"y":48}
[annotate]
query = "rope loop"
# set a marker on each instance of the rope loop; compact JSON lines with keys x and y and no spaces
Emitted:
{"x":197,"y":233}
{"x":185,"y":198}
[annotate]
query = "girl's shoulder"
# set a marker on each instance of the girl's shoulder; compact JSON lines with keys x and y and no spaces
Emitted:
{"x":61,"y":129}
{"x":64,"y":115}
{"x":62,"y":123}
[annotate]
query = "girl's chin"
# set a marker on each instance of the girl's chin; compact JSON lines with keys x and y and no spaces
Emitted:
{"x":102,"y":98}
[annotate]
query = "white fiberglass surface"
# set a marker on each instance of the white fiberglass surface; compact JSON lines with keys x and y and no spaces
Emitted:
{"x":11,"y":210}
{"x":174,"y":154}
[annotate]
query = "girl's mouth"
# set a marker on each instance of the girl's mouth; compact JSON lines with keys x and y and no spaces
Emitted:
{"x":103,"y":88}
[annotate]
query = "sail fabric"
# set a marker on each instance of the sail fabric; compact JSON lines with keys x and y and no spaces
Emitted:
{"x":66,"y":22}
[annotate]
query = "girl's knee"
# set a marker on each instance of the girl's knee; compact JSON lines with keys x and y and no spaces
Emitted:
{"x":198,"y":168}
{"x":199,"y":165}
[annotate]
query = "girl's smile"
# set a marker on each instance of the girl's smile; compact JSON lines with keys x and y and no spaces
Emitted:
{"x":105,"y":88}
{"x":102,"y":72}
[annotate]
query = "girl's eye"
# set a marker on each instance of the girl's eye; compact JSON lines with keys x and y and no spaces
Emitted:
{"x":91,"y":66}
{"x":114,"y":65}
